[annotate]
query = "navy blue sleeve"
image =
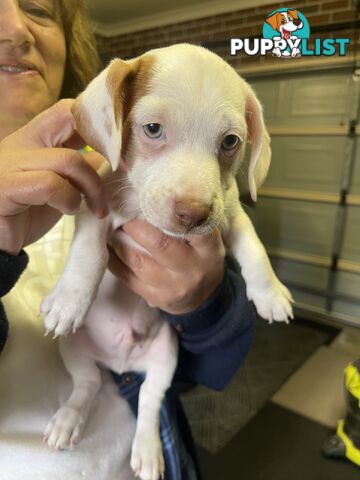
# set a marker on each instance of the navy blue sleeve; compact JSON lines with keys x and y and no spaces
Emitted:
{"x":215,"y":338}
{"x":11,"y":267}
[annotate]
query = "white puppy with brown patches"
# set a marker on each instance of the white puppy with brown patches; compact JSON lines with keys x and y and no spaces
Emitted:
{"x":179,"y":118}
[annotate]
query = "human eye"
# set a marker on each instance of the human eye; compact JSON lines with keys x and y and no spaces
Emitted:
{"x":39,"y":11}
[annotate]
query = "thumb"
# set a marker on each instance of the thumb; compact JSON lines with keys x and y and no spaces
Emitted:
{"x":206,"y":243}
{"x":51,"y":128}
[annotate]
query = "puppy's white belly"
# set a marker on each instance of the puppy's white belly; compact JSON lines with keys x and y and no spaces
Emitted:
{"x":120,"y":327}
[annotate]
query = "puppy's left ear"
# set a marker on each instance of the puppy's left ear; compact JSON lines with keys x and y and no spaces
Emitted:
{"x":259,"y":138}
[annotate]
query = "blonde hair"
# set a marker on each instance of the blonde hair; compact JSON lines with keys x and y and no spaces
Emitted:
{"x":82,"y":60}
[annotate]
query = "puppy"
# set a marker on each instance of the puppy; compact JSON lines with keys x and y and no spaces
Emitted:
{"x":286,"y":23}
{"x":178,"y":118}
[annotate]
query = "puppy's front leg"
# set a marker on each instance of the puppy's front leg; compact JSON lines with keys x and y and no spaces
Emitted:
{"x":66,"y":306}
{"x":271,"y":298}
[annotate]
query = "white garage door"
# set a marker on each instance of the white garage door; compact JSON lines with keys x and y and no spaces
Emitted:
{"x":308,"y":212}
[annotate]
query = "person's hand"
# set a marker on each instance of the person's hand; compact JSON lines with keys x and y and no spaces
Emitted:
{"x":39,"y":183}
{"x":177,"y":276}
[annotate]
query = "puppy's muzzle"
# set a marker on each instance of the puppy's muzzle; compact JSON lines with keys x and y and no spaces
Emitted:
{"x":191,"y":213}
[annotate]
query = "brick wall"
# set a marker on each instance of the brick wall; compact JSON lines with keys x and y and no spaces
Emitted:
{"x":327,"y":18}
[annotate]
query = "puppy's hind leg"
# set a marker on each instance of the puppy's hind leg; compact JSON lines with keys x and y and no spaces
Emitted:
{"x":64,"y":429}
{"x":147,"y":459}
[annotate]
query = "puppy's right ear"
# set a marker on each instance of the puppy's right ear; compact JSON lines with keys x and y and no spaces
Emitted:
{"x":98,"y":110}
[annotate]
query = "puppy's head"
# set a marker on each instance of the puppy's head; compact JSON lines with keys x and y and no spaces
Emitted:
{"x":179,"y":117}
{"x":285,"y":22}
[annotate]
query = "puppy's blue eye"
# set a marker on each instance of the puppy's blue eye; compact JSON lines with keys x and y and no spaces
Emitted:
{"x":153,"y":130}
{"x":230,"y":142}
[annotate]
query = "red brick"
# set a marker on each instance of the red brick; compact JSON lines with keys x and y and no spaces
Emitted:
{"x":203,"y":23}
{"x":247,"y":31}
{"x":309,"y":9}
{"x":244,"y":13}
{"x":344,"y":16}
{"x":259,"y":18}
{"x":234,"y":22}
{"x":322,"y":19}
{"x":266,"y":9}
{"x":335,"y":4}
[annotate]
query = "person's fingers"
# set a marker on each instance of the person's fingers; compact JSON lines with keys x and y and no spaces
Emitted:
{"x":71,"y":166}
{"x":167,"y":251}
{"x":142,"y":264}
{"x":148,"y":292}
{"x":49,"y":217}
{"x":117,"y":266}
{"x":40,"y":188}
{"x":51,"y":128}
{"x":205,"y":244}
{"x":94,"y":158}
{"x":121,"y":270}
{"x":172,"y":252}
{"x":75,"y":142}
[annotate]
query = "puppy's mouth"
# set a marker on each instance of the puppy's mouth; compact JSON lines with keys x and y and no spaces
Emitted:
{"x":183,"y":217}
{"x":174,"y":229}
{"x":184,"y":233}
{"x":286,"y":33}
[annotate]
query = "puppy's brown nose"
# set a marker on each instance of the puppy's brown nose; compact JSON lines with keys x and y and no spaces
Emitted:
{"x":296,"y":21}
{"x":190,"y":213}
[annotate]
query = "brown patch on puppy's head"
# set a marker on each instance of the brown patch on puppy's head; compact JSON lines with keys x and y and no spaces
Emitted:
{"x":101,"y":111}
{"x":294,"y":14}
{"x":135,"y":87}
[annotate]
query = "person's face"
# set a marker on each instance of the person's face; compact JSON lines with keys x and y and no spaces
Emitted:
{"x":32,"y":58}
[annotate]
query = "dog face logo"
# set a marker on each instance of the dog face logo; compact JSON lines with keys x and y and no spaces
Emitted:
{"x":288,"y":27}
{"x":285,"y":22}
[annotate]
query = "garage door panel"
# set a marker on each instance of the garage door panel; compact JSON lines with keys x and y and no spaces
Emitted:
{"x":347,"y":284}
{"x":355,"y":180}
{"x":306,"y":163}
{"x":351,"y":245}
{"x":308,"y":99}
{"x":306,"y":227}
{"x":296,"y":274}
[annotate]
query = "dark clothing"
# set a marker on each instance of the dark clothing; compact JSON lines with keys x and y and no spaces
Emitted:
{"x":11,"y":267}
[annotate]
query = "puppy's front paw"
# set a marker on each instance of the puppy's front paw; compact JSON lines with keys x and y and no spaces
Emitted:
{"x":64,"y":429}
{"x":273,"y":303}
{"x":65,"y":309}
{"x":147,"y":459}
